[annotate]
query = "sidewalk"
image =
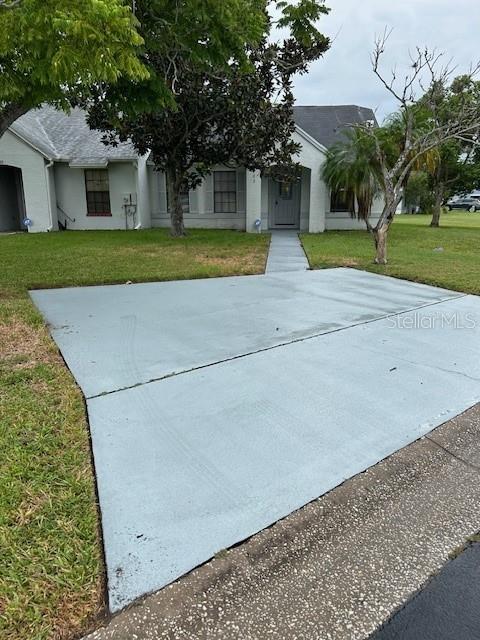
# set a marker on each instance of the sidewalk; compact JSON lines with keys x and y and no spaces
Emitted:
{"x":286,"y":253}
{"x":336,"y":569}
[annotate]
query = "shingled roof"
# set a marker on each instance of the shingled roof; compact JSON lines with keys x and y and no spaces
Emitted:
{"x":68,"y":138}
{"x":327,"y":124}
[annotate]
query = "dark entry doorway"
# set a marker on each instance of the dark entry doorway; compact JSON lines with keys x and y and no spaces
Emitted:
{"x":12,"y":203}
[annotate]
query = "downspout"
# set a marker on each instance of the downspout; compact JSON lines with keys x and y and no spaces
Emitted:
{"x":49,"y":195}
{"x":130,"y":206}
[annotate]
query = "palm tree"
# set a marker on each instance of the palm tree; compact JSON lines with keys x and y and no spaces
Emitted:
{"x":351,"y":166}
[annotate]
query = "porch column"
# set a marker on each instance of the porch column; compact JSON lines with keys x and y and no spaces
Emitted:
{"x":253,"y":200}
{"x":316,"y":218}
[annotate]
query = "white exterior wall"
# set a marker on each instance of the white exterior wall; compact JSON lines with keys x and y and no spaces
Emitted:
{"x":253,"y":201}
{"x":72,"y":197}
{"x":312,"y":157}
{"x":305,"y":199}
{"x":201,"y":214}
{"x":144,"y":208}
{"x":265,"y":203}
{"x":52,"y":194}
{"x":16,"y":153}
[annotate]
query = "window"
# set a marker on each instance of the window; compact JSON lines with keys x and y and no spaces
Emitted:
{"x":184,"y":198}
{"x":225,"y":191}
{"x":98,"y":193}
{"x":285,"y":190}
{"x":341,"y":200}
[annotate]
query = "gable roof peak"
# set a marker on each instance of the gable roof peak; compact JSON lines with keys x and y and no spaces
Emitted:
{"x":67,"y":137}
{"x":327,"y":123}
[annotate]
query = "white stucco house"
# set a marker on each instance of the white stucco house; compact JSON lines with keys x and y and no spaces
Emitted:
{"x":56,"y":173}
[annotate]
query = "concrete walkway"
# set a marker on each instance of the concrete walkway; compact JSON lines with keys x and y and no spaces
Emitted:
{"x":286,"y":253}
{"x":336,"y":569}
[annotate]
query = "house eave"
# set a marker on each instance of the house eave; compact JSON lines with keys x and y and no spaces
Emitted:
{"x":99,"y":163}
{"x":28,"y":142}
{"x":301,"y":132}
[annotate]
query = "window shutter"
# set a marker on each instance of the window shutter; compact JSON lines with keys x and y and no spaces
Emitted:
{"x":153,"y":191}
{"x":241,"y":188}
{"x":162,"y":192}
{"x":208,"y":193}
{"x":193,"y":197}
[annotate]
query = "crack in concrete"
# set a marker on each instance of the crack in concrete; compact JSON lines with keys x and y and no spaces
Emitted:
{"x":467,"y":463}
{"x":426,"y":365}
{"x":276,"y":346}
{"x":458,"y":373}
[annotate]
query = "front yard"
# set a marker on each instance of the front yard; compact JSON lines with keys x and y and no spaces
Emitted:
{"x":446,"y":257}
{"x":51,"y":573}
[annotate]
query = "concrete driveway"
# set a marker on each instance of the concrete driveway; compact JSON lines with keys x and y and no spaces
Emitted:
{"x":220,"y":406}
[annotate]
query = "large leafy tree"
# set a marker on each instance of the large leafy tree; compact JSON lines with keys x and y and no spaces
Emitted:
{"x":51,"y":49}
{"x":418,"y":193}
{"x":56,"y":51}
{"x":455,"y":168}
{"x":240,"y":113}
{"x":456,"y":171}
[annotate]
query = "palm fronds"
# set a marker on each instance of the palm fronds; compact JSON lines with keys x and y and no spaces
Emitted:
{"x":351,"y":165}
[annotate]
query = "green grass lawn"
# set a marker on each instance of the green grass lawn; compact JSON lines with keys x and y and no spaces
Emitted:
{"x":411,"y":250}
{"x":51,"y":584}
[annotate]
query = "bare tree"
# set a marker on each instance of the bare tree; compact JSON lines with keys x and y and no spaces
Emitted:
{"x":427,"y":76}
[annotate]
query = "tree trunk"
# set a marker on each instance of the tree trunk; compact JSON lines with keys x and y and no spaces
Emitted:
{"x":9,"y":113}
{"x":380,"y":231}
{"x":437,"y":207}
{"x":380,"y":237}
{"x":175,"y":209}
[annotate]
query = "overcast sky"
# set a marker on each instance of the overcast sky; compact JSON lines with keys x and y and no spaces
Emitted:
{"x":344,"y":75}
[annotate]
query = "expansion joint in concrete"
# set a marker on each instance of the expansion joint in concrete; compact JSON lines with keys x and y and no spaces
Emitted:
{"x":467,"y":463}
{"x":274,"y":346}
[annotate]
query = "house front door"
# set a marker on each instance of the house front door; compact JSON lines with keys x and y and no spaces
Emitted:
{"x":284,"y":205}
